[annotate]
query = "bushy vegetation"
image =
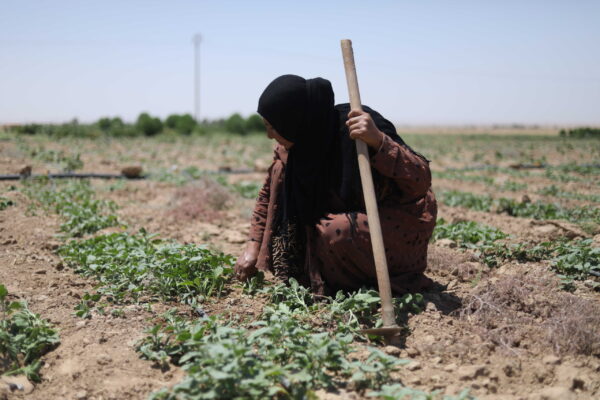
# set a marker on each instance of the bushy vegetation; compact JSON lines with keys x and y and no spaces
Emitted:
{"x":5,"y":203}
{"x":75,"y":202}
{"x":583,"y":132}
{"x":572,"y":260}
{"x":279,"y":355}
{"x":183,"y":123}
{"x":535,"y":210}
{"x":68,"y":161}
{"x":133,"y":267}
{"x":146,"y":125}
{"x":24,"y":338}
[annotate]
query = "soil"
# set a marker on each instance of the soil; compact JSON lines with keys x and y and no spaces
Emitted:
{"x":452,"y":346}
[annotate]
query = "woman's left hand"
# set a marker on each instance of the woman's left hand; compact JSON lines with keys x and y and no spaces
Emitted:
{"x":361,"y":126}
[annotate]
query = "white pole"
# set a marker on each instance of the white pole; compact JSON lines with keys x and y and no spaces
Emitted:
{"x":196,"y":40}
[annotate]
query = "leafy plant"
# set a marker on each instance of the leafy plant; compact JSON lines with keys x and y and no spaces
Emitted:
{"x":277,"y":356}
{"x":455,"y":198}
{"x":183,"y":123}
{"x":84,"y":308}
{"x":148,"y":125}
{"x":129,"y":266}
{"x":467,"y":234}
{"x":75,"y":203}
{"x":537,"y":210}
{"x":553,"y":190}
{"x":399,"y":392}
{"x":576,"y":261}
{"x":24,"y":338}
{"x":5,"y":203}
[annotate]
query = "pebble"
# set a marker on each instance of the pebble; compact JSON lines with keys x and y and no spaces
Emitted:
{"x":554,"y":393}
{"x":392,"y":350}
{"x":412,"y":352}
{"x":104,"y":359}
{"x":467,"y":372}
{"x":450,"y":368}
{"x":81,"y":395}
{"x":18,"y":384}
{"x":41,"y":272}
{"x":551,"y":360}
{"x":446,"y":243}
{"x":413,"y":366}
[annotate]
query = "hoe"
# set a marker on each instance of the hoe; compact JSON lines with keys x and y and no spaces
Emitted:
{"x":390,"y":330}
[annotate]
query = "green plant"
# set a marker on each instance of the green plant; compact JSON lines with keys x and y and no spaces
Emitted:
{"x":130,"y":266}
{"x":553,"y":190}
{"x":5,"y":203}
{"x":148,"y":125}
{"x":248,"y":190}
{"x":83,"y":309}
{"x":512,"y":186}
{"x":74,"y":201}
{"x":255,"y":123}
{"x":24,"y":338}
{"x":455,"y":198}
{"x":583,"y":132}
{"x":467,"y":234}
{"x":69,"y":162}
{"x":399,"y":392}
{"x":277,"y":356}
{"x":576,"y":261}
{"x":537,"y":210}
{"x":236,"y":124}
{"x":183,"y":123}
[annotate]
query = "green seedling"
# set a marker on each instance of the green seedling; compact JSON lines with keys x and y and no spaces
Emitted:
{"x":24,"y":338}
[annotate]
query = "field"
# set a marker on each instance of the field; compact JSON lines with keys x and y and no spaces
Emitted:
{"x":123,"y":289}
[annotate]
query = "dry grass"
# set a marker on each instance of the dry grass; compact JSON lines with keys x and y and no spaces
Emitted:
{"x":575,"y":327}
{"x":446,"y":262}
{"x":203,"y":200}
{"x":521,"y":311}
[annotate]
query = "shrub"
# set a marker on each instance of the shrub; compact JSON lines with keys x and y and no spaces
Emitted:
{"x":183,"y":123}
{"x":583,"y":132}
{"x":254,"y":123}
{"x":29,"y":129}
{"x":148,"y":125}
{"x":110,"y":125}
{"x":236,"y":124}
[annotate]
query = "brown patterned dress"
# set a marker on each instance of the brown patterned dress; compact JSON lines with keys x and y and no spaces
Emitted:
{"x":339,"y":253}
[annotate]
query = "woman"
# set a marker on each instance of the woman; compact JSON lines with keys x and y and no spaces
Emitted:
{"x":309,"y":222}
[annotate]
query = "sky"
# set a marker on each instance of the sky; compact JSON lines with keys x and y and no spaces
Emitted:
{"x":418,"y":62}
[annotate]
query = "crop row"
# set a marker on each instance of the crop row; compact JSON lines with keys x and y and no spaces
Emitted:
{"x":572,"y":260}
{"x":280,"y":355}
{"x":74,"y":202}
{"x":586,"y":216}
{"x":24,"y":338}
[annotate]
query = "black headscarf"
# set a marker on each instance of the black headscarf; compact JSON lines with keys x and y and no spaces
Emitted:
{"x":323,"y":157}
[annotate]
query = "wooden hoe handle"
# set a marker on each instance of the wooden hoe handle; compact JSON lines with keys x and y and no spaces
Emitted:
{"x":383,"y":277}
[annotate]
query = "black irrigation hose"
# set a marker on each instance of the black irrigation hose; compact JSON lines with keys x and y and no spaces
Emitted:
{"x":70,"y":175}
{"x":516,"y":166}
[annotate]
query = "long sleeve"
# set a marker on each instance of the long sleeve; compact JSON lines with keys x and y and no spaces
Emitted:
{"x":410,"y":172}
{"x":259,"y":215}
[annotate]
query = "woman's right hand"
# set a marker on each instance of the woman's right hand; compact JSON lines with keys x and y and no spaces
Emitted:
{"x":245,"y":267}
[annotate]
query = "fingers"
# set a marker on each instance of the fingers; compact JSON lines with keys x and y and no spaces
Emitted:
{"x":356,"y":113}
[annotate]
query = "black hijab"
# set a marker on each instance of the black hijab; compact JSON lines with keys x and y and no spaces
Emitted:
{"x":323,"y":157}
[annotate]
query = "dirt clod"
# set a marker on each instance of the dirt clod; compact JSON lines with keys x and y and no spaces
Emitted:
{"x":392,"y":351}
{"x":468,"y":372}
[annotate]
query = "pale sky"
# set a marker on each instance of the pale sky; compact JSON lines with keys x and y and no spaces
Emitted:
{"x":418,"y":62}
